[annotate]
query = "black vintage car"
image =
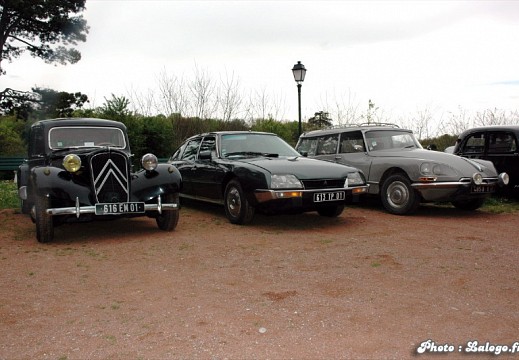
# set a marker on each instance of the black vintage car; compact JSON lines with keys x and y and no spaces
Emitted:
{"x":249,"y":171}
{"x":496,"y":143}
{"x":80,"y":170}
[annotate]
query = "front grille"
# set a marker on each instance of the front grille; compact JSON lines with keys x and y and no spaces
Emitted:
{"x":324,"y":184}
{"x":110,"y":177}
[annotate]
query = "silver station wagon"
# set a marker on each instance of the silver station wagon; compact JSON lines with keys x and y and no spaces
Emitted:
{"x":400,"y":171}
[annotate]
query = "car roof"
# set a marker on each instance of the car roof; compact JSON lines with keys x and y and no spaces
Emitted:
{"x":354,"y":127}
{"x":512,"y":128}
{"x":49,"y":123}
{"x":231,"y":132}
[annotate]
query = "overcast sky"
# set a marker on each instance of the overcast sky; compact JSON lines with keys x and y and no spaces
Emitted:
{"x":405,"y":56}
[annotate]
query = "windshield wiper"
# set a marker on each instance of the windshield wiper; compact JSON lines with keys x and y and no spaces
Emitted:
{"x":252,"y":153}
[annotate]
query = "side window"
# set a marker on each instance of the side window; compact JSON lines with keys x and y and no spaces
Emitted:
{"x":178,"y":153}
{"x":191,"y":150}
{"x":37,"y":141}
{"x":308,"y":145}
{"x":327,"y":144}
{"x":209,"y":143}
{"x":352,"y":142}
{"x":501,"y":142}
{"x":474,"y":144}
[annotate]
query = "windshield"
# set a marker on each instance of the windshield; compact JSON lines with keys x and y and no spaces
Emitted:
{"x":390,"y":139}
{"x":244,"y":145}
{"x":85,"y":136}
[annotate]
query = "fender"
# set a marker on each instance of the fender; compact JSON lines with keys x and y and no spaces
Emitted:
{"x":147,"y":185}
{"x":58,"y":184}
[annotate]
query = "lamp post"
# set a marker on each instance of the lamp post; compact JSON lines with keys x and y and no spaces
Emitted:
{"x":299,"y":72}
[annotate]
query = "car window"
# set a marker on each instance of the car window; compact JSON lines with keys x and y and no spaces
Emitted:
{"x":308,"y":146}
{"x":501,"y":142}
{"x":475,"y":144}
{"x":352,"y":142}
{"x":390,"y":139}
{"x":191,"y":150}
{"x":327,"y":144}
{"x":86,"y":136}
{"x":254,"y":144}
{"x":208,"y":144}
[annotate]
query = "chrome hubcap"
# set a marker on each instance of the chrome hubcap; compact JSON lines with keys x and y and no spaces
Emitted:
{"x":234,"y":202}
{"x":397,"y":194}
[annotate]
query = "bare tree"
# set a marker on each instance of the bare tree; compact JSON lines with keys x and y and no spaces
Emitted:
{"x":229,"y":96}
{"x":202,"y":90}
{"x":341,"y":108}
{"x":173,"y":93}
{"x":142,"y":103}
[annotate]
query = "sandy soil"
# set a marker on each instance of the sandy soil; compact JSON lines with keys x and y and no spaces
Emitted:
{"x":364,"y":285}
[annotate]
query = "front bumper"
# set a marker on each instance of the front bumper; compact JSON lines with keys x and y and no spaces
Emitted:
{"x":263,"y":196}
{"x":450,"y":190}
{"x":91,"y":209}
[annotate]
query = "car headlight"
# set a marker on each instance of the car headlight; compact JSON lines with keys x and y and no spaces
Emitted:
{"x":354,"y":178}
{"x":149,"y":162}
{"x":430,"y":169}
{"x":285,"y":182}
{"x":72,"y":163}
{"x":477,"y":178}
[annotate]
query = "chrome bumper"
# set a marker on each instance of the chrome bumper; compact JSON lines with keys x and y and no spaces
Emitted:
{"x":91,"y":209}
{"x":267,"y":195}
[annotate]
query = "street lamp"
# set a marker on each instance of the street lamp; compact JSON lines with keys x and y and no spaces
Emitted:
{"x":299,"y":72}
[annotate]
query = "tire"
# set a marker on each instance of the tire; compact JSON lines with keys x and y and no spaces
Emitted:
{"x":44,"y":225}
{"x":237,"y":207}
{"x":331,"y":211}
{"x":397,"y":195}
{"x":168,"y":220}
{"x":469,"y":205}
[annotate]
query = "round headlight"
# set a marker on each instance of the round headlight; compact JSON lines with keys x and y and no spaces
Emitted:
{"x":425,"y":169}
{"x":478,"y":179}
{"x":72,"y":163}
{"x":149,"y":162}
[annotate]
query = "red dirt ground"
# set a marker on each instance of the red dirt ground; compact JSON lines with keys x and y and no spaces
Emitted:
{"x":364,"y":285}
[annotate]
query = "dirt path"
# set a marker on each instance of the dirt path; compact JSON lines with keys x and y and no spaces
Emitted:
{"x":364,"y":285}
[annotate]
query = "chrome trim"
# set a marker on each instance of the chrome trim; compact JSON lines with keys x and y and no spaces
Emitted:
{"x":91,"y":209}
{"x":274,"y":192}
{"x":22,"y":192}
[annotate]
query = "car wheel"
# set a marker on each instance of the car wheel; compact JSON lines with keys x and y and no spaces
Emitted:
{"x":44,"y":225}
{"x":168,"y":220}
{"x":331,"y":211}
{"x":237,"y":207}
{"x":398,"y":196}
{"x":469,"y":205}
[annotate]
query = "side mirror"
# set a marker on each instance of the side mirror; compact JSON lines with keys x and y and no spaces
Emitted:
{"x":304,"y":153}
{"x":205,"y":155}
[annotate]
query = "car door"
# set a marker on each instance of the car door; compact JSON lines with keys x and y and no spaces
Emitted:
{"x":352,"y":152}
{"x":207,"y":175}
{"x":185,"y":163}
{"x":502,"y":151}
{"x":473,"y":146}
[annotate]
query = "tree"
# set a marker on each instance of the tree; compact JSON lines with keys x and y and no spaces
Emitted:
{"x":320,"y":120}
{"x":39,"y":26}
{"x":54,"y":103}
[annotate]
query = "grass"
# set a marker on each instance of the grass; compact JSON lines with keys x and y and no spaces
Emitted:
{"x":8,"y":195}
{"x":500,"y":205}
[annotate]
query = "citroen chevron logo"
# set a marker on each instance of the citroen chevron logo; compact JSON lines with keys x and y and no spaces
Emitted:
{"x":110,"y":170}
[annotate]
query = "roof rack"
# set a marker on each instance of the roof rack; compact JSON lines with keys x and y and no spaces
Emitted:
{"x":364,"y":124}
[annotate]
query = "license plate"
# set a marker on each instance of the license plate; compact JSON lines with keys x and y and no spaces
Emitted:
{"x":329,"y":196}
{"x":120,"y":208}
{"x":482,"y":189}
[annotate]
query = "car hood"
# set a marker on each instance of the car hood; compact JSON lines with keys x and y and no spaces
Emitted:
{"x":301,"y":167}
{"x":463,"y":165}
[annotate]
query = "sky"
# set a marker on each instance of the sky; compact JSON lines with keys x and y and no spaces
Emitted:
{"x":404,"y":56}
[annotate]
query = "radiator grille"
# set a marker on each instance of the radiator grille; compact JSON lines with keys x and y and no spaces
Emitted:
{"x":324,"y":184}
{"x":110,"y":177}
